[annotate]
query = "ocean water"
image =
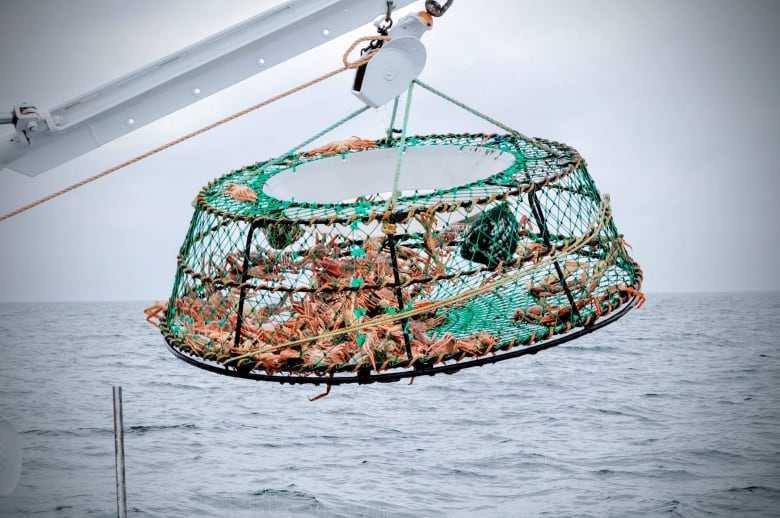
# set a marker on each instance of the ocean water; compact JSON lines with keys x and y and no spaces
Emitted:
{"x":674,"y":410}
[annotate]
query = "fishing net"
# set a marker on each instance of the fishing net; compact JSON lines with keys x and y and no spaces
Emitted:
{"x":374,"y":260}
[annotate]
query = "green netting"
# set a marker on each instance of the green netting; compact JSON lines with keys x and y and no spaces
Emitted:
{"x":327,"y":261}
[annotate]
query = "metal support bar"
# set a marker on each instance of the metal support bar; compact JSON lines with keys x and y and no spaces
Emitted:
{"x":119,"y":453}
{"x":536,"y":209}
{"x":244,"y":277}
{"x":184,"y":77}
{"x":399,"y":295}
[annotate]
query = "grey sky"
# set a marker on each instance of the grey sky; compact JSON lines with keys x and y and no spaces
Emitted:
{"x":673,"y":103}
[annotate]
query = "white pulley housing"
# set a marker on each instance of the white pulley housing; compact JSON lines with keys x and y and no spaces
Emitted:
{"x":395,"y":66}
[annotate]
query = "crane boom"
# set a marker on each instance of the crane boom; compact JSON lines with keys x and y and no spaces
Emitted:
{"x":45,"y":139}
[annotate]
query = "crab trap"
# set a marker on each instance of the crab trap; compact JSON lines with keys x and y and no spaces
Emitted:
{"x":376,"y":260}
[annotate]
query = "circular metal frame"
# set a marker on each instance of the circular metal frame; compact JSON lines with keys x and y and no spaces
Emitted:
{"x":365,"y":377}
{"x":500,"y":167}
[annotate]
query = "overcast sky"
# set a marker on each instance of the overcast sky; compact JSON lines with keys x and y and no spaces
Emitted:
{"x":674,"y":104}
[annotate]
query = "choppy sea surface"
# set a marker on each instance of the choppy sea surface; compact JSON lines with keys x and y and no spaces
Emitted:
{"x":674,"y":410}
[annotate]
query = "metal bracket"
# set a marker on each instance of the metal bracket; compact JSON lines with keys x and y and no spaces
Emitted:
{"x":28,"y":120}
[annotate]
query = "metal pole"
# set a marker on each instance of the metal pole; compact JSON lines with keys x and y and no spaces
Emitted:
{"x":244,"y":277}
{"x":536,"y":209}
{"x":119,"y":449}
{"x":399,"y":295}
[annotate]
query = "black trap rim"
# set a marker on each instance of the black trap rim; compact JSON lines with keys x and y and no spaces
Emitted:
{"x":365,"y":377}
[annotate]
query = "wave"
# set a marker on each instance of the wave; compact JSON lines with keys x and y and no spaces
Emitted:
{"x":755,"y":489}
{"x":287,"y":500}
{"x":143,"y":429}
{"x":75,"y":432}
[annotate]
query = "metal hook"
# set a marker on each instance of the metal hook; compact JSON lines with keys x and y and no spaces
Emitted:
{"x":436,"y":9}
{"x":382,"y":26}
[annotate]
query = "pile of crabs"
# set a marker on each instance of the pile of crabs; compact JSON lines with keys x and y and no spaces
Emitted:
{"x":358,"y":306}
{"x":341,"y":314}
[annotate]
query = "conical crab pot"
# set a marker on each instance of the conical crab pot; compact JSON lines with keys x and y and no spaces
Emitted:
{"x":395,"y":260}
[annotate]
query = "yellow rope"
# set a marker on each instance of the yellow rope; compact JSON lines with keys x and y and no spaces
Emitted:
{"x":347,"y":65}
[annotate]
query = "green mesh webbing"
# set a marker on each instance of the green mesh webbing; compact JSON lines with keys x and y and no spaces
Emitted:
{"x":307,"y":286}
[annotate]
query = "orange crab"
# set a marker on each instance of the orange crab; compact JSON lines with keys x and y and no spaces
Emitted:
{"x":353,"y":143}
{"x":155,"y":311}
{"x":240,"y":192}
{"x":633,"y":292}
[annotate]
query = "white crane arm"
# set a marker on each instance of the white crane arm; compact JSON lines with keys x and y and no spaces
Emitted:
{"x":45,"y":139}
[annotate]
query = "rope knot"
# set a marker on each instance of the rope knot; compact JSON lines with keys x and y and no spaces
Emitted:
{"x":389,"y":228}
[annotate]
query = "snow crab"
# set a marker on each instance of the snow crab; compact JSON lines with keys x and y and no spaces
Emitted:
{"x":353,"y":143}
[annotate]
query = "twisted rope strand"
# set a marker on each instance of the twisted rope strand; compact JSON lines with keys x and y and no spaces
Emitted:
{"x":491,"y":120}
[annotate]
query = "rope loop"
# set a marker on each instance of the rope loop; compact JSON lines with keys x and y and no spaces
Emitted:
{"x":389,"y":229}
{"x":364,"y":58}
